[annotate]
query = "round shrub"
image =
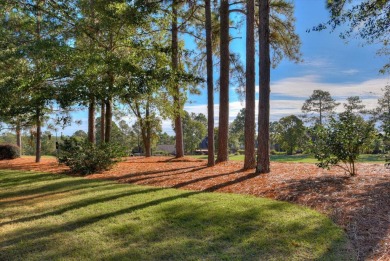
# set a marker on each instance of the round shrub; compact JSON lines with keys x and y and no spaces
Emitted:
{"x":9,"y":151}
{"x":85,"y":158}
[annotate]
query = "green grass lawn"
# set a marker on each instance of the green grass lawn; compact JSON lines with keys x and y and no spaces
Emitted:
{"x":305,"y":158}
{"x":57,"y":217}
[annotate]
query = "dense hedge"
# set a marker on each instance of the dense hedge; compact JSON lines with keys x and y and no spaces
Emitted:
{"x":9,"y":151}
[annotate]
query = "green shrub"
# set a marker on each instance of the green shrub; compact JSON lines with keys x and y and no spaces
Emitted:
{"x":341,"y":142}
{"x":274,"y":152}
{"x":240,"y":152}
{"x":86,"y":158}
{"x":161,"y":152}
{"x":9,"y":151}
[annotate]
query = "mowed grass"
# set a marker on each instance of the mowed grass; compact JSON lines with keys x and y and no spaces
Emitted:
{"x":306,"y":158}
{"x":57,"y":217}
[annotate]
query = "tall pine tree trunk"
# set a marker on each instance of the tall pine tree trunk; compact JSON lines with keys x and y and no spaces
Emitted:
{"x":210,"y":86}
{"x":223,"y":129}
{"x":19,"y":137}
{"x":91,"y":120}
{"x":249,"y":131}
{"x":38,"y":138}
{"x":176,"y":91}
{"x":263,"y":162}
{"x":38,"y":110}
{"x":111,"y":80}
{"x":148,"y":129}
{"x":107,"y":136}
{"x":102,"y":121}
{"x":92,"y":100}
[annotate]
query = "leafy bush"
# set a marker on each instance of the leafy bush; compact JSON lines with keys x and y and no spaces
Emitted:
{"x":161,"y":152}
{"x":240,"y":152}
{"x":274,"y":152}
{"x":342,"y":141}
{"x":86,"y":158}
{"x":9,"y":151}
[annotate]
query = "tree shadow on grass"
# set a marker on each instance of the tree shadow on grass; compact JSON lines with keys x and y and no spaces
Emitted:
{"x":184,"y":230}
{"x":80,"y":204}
{"x":58,"y":182}
{"x":151,"y":174}
{"x":8,"y":179}
{"x":82,"y":222}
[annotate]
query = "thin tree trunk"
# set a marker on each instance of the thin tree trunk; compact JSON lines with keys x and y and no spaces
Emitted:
{"x":210,"y":87}
{"x":38,"y":110}
{"x":223,"y":129}
{"x":108,"y":115}
{"x":250,"y":161}
{"x":19,"y":137}
{"x":92,"y":100}
{"x":263,"y":161}
{"x":102,"y":121}
{"x":148,"y":151}
{"x":176,"y":91}
{"x":111,"y":79}
{"x":91,"y":120}
{"x":320,"y":112}
{"x":147,"y":145}
{"x":38,"y":138}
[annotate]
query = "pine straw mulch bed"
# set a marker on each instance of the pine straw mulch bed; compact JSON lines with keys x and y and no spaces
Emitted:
{"x":361,"y":204}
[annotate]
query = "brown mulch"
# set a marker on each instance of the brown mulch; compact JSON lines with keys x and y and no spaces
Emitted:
{"x":361,"y":204}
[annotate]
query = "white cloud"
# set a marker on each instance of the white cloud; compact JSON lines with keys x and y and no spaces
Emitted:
{"x":350,"y":71}
{"x":299,"y":89}
{"x":318,"y":62}
{"x":302,"y":87}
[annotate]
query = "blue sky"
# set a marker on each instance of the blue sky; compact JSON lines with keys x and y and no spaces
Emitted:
{"x":330,"y":63}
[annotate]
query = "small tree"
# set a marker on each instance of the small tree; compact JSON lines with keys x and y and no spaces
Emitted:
{"x":236,"y":131}
{"x":341,"y":142}
{"x":383,"y":114}
{"x":291,"y":133}
{"x":194,"y":131}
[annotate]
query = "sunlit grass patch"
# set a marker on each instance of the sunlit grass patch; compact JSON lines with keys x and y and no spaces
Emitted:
{"x":52,"y":217}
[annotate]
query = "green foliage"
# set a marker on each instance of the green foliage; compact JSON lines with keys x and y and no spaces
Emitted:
{"x":194,"y":131}
{"x":86,"y":158}
{"x":160,"y":152}
{"x":319,"y":106}
{"x":9,"y":151}
{"x":291,"y":133}
{"x":383,"y":114}
{"x":274,"y":152}
{"x":236,"y":131}
{"x":165,"y":138}
{"x":342,"y":141}
{"x":240,"y":152}
{"x":48,"y":143}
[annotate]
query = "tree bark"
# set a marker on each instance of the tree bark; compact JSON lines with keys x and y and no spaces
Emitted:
{"x":176,"y":88}
{"x":91,"y":120}
{"x":38,"y":110}
{"x":249,"y":161}
{"x":320,"y":112}
{"x":38,"y":138}
{"x":19,"y":137}
{"x":210,"y":86}
{"x":223,"y":129}
{"x":103,"y":122}
{"x":148,"y":134}
{"x":263,"y":161}
{"x":107,"y":136}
